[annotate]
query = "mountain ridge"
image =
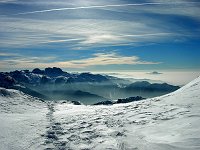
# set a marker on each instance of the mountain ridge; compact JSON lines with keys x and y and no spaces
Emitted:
{"x":54,"y":83}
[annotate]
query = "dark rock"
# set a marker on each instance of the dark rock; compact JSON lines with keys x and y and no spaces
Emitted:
{"x":119,"y":101}
{"x":104,"y":103}
{"x":52,"y":136}
{"x":75,"y":102}
{"x":130,"y":99}
{"x":4,"y":92}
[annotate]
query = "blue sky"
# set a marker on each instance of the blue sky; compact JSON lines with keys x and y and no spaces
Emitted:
{"x":100,"y":35}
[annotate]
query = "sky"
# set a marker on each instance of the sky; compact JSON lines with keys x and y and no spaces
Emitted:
{"x":103,"y":35}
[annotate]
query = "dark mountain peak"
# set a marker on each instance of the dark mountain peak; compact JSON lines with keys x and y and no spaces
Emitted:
{"x":53,"y":72}
{"x":37,"y":71}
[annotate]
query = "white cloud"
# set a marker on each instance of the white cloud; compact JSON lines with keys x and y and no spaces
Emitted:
{"x":106,"y":59}
{"x":104,"y":38}
{"x":98,"y":59}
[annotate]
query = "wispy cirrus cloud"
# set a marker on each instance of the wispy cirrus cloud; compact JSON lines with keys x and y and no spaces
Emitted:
{"x":92,"y":30}
{"x":80,"y":32}
{"x":107,"y":6}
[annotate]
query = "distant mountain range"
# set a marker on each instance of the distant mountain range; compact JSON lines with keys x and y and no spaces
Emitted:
{"x":56,"y":84}
{"x":48,"y":76}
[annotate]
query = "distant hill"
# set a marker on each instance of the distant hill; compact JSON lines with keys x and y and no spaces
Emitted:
{"x":146,"y":89}
{"x":146,"y":86}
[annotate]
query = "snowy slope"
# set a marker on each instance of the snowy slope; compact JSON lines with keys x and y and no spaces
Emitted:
{"x":22,"y":121}
{"x":170,"y":122}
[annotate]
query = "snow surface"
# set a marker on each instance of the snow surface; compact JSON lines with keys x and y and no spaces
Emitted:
{"x":22,"y":121}
{"x":169,"y":122}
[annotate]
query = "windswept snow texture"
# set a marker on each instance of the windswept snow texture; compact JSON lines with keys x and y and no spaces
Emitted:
{"x":170,"y":122}
{"x":22,"y":121}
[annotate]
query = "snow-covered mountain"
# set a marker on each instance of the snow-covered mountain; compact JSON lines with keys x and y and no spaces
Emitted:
{"x":169,"y":122}
{"x":54,"y":83}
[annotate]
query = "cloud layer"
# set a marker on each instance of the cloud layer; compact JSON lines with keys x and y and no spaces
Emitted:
{"x":98,"y":59}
